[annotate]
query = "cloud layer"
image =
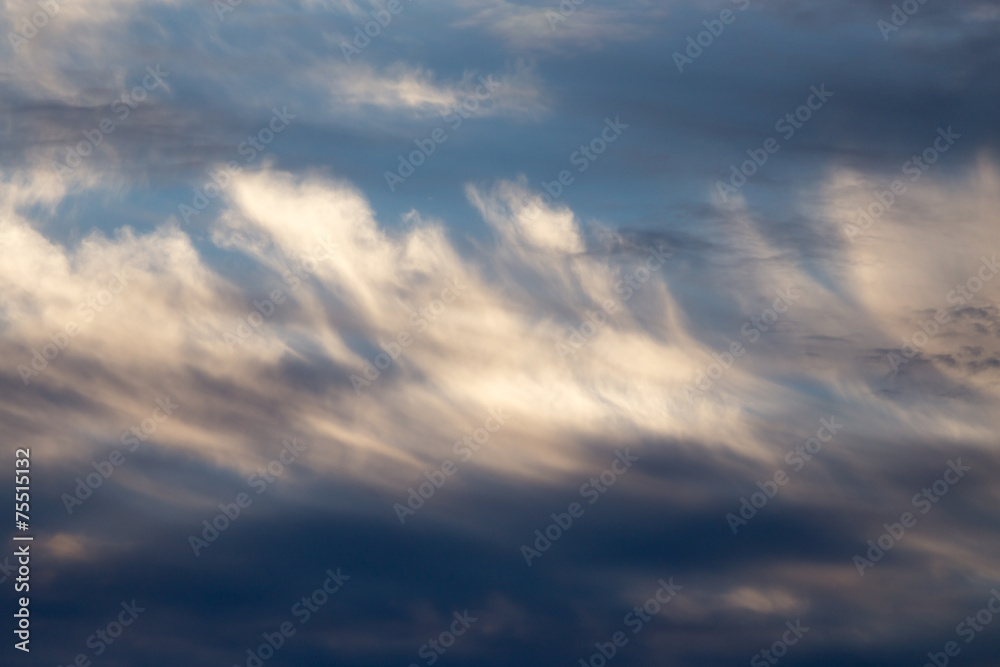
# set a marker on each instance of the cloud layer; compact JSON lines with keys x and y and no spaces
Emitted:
{"x":545,"y":370}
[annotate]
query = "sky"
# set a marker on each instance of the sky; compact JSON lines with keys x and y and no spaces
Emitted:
{"x":492,"y":333}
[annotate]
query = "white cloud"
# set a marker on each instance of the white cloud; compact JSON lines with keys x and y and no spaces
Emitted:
{"x":417,"y":91}
{"x":551,"y":26}
{"x":493,"y":347}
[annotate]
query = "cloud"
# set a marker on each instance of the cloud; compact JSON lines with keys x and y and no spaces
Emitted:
{"x":544,"y":323}
{"x":557,"y":26}
{"x":359,"y":87}
{"x":523,"y":324}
